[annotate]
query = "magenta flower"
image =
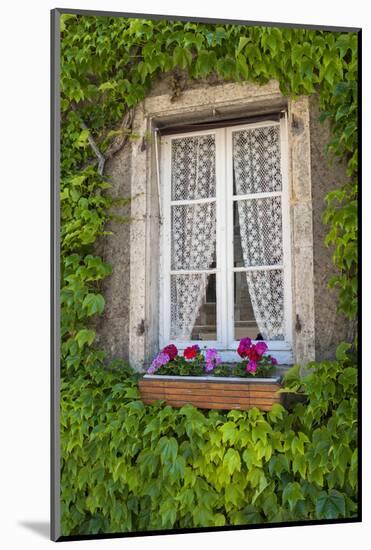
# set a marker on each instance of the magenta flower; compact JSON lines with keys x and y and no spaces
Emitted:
{"x":243,"y":347}
{"x":251,"y":366}
{"x":261,"y":347}
{"x":212,"y":359}
{"x":273,"y":361}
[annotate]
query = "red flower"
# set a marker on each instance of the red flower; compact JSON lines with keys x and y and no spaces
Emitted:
{"x":191,"y":352}
{"x":171,"y":351}
{"x":252,"y":354}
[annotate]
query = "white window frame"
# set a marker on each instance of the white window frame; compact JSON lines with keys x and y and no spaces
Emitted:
{"x":224,"y":198}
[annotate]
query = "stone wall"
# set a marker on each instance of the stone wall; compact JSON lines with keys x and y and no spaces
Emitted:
{"x":113,"y":326}
{"x":331,"y":327}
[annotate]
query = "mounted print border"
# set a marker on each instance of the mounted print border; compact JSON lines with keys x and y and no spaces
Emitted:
{"x":205,"y":357}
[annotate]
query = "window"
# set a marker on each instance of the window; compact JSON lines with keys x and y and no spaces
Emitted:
{"x":225,"y":238}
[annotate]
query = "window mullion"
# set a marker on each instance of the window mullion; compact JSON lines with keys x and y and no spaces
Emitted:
{"x":220,"y":236}
{"x":228,"y":207}
{"x":286,"y":235}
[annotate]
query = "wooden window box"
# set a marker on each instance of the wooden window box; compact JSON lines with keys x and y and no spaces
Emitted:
{"x":210,"y":392}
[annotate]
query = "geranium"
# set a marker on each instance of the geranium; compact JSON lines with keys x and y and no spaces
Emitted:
{"x":243,"y":347}
{"x":171,"y":351}
{"x":252,"y":354}
{"x":257,"y":362}
{"x":212,"y":359}
{"x":191,"y":352}
{"x":261,"y":347}
{"x":160,"y":360}
{"x":251,"y":366}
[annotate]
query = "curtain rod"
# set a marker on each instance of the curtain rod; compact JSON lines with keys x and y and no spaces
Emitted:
{"x":219,"y":123}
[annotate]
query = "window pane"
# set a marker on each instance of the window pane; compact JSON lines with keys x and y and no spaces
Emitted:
{"x":192,"y":315}
{"x":245,"y":324}
{"x":193,"y":167}
{"x":258,"y":307}
{"x":193,"y":236}
{"x":257,"y":160}
{"x":257,"y":226}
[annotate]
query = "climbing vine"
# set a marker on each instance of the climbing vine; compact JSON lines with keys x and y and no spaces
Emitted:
{"x":108,"y":65}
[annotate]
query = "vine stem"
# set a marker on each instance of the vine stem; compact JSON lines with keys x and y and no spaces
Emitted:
{"x":117,"y":144}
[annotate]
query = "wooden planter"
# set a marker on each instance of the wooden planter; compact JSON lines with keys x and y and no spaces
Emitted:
{"x":206,"y":392}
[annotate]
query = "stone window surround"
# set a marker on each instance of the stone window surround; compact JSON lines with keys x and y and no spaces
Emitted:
{"x":229,"y":99}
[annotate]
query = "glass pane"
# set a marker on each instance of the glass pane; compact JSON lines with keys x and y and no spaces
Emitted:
{"x":193,"y":236}
{"x":193,"y":307}
{"x":257,"y":227}
{"x":258,"y":305}
{"x":257,"y":160}
{"x":193,"y":167}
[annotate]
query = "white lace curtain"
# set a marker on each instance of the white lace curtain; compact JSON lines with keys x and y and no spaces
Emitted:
{"x":193,"y":229}
{"x":256,"y":163}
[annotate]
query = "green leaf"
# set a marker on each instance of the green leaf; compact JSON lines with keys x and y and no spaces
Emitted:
{"x":94,"y":304}
{"x":341,"y":351}
{"x":230,"y":432}
{"x":330,"y":505}
{"x":232,"y":461}
{"x":182,"y":57}
{"x":241,"y":44}
{"x":168,"y":449}
{"x":85,"y":336}
{"x":292,"y":493}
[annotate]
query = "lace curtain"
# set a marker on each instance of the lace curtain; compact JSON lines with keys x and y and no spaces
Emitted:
{"x":256,"y":164}
{"x":193,"y":228}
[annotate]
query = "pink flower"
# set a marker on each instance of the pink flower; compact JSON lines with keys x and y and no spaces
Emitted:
{"x":273,"y":361}
{"x":261,"y":347}
{"x":212,"y":359}
{"x":251,"y":366}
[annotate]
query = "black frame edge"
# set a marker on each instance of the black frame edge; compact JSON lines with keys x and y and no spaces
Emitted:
{"x":55,"y":275}
{"x":76,"y":11}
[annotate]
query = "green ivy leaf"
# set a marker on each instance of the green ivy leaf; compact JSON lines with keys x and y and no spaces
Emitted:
{"x":85,"y":336}
{"x":182,"y":57}
{"x":232,"y":461}
{"x":93,"y":304}
{"x":330,"y":505}
{"x":292,"y":493}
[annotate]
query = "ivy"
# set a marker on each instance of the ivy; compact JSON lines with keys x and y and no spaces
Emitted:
{"x":130,"y":467}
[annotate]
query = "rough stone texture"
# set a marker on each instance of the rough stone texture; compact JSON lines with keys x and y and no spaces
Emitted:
{"x":331,"y":327}
{"x":301,"y":230}
{"x":113,"y":327}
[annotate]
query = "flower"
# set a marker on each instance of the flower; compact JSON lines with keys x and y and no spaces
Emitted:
{"x":160,"y":360}
{"x":273,"y":361}
{"x":252,"y":354}
{"x":261,"y":347}
{"x":171,"y":351}
{"x":251,"y":366}
{"x":191,"y":352}
{"x":212,"y":359}
{"x":243,"y":347}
